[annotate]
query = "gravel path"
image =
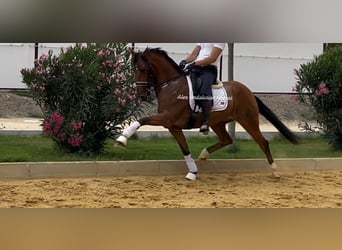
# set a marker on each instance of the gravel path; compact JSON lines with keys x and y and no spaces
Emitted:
{"x":283,"y":105}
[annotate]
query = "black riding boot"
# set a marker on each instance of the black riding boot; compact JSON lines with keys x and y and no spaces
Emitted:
{"x":206,"y":107}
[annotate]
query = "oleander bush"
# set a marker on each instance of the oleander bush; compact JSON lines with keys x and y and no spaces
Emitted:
{"x":319,"y":84}
{"x":86,"y":94}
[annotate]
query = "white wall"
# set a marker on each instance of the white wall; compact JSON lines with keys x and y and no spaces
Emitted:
{"x":13,"y":58}
{"x":263,"y":67}
{"x":269,"y":67}
{"x":16,"y":56}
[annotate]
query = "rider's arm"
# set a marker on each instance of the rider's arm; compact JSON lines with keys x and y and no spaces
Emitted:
{"x":193,"y":55}
{"x":215,"y":53}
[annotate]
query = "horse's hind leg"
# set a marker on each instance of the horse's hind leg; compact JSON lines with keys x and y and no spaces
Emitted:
{"x":252,"y":127}
{"x":224,"y":140}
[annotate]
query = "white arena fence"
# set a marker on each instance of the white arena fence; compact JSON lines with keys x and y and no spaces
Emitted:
{"x":266,"y":68}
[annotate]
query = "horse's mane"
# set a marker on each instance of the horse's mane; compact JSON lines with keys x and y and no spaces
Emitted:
{"x":163,"y":53}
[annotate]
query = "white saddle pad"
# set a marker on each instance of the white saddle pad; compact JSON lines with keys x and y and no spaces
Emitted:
{"x":220,"y":99}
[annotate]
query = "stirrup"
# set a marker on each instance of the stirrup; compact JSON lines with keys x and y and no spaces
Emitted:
{"x":204,"y":129}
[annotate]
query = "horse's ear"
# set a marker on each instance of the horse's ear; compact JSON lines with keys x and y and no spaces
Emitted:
{"x":146,"y":52}
{"x":131,"y":50}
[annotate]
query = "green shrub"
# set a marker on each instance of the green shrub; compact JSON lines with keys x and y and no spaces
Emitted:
{"x":319,"y":83}
{"x":86,"y":94}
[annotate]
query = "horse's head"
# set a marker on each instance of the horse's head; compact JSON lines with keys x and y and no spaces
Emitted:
{"x":153,"y":68}
{"x":143,"y":75}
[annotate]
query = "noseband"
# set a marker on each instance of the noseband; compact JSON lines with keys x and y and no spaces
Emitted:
{"x":143,"y":84}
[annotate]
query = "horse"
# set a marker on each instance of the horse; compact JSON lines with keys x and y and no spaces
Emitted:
{"x":153,"y":68}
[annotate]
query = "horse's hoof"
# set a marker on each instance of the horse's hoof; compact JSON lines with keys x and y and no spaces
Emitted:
{"x":273,"y":167}
{"x":191,"y":176}
{"x":275,"y":175}
{"x":203,"y":155}
{"x":119,"y":145}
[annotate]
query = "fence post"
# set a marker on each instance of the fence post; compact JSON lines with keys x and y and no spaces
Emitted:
{"x":35,"y":51}
{"x":231,"y":125}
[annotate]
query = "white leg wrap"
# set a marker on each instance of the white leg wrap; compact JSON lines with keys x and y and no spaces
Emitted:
{"x":128,"y":132}
{"x":203,"y":155}
{"x":191,"y":164}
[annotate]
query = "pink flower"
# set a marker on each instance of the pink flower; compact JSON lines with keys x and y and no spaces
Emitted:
{"x":44,"y":57}
{"x":122,"y":76}
{"x":75,"y":141}
{"x":108,"y":63}
{"x":40,"y":70}
{"x":54,"y":124}
{"x":76,"y":125}
{"x":323,"y":89}
{"x":122,"y":101}
{"x":58,"y":120}
{"x":47,"y":127}
{"x":117,"y":91}
{"x":101,"y":53}
{"x":104,"y":53}
{"x":118,"y":67}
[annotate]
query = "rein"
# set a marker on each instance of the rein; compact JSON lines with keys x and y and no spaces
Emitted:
{"x":166,"y":83}
{"x":157,"y":85}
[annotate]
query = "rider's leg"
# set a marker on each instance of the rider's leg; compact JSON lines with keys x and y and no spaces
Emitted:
{"x":206,"y":107}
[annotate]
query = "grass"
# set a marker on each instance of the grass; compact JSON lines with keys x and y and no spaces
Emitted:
{"x":14,"y":148}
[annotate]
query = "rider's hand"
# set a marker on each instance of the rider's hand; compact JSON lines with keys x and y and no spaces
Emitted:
{"x":182,"y":64}
{"x":191,"y":66}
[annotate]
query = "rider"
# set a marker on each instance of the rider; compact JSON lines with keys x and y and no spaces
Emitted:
{"x":204,"y":59}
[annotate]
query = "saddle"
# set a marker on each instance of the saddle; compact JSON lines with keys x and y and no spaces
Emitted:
{"x":196,"y":83}
{"x":220,"y":98}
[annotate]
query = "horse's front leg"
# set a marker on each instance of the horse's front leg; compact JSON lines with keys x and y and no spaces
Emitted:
{"x":156,"y":120}
{"x":121,"y":141}
{"x":191,"y":164}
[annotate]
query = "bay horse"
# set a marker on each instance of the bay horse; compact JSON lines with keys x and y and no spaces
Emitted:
{"x":154,"y":68}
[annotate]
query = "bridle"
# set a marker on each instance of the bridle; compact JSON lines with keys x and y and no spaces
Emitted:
{"x":151,"y":77}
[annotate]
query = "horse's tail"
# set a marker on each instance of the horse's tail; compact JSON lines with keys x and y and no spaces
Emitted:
{"x":271,"y":117}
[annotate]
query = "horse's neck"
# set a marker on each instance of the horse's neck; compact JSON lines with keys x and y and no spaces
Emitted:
{"x":167,"y":75}
{"x":173,"y":91}
{"x":171,"y":82}
{"x":166,"y":71}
